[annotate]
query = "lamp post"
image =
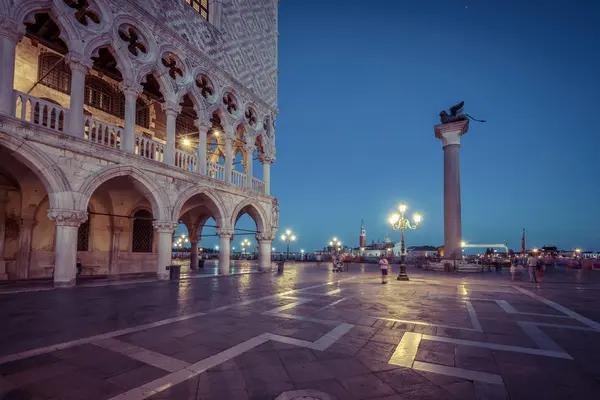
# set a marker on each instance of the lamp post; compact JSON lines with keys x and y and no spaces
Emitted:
{"x":335,"y":245}
{"x":288,"y":237}
{"x":245,"y":244}
{"x":398,"y":221}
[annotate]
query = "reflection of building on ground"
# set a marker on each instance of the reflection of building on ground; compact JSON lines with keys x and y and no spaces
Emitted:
{"x":111,"y":134}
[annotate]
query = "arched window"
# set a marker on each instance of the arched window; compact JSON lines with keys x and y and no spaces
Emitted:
{"x":54,"y":73}
{"x":201,"y":6}
{"x":143,"y":232}
{"x":98,"y":94}
{"x":83,"y":234}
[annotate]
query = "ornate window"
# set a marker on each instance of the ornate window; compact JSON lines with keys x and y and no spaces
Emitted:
{"x":54,"y":73}
{"x":98,"y":94}
{"x":201,"y":6}
{"x":83,"y":235}
{"x":143,"y":232}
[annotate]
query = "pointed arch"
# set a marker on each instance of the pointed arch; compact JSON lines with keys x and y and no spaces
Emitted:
{"x":214,"y":204}
{"x":254,"y":210}
{"x":146,"y":185}
{"x":54,"y":181}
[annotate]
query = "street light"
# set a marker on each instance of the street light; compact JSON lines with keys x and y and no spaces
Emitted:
{"x":288,"y":237}
{"x":245,"y":244}
{"x":335,"y":245}
{"x":398,"y":221}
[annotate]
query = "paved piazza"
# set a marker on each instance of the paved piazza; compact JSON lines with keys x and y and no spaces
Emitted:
{"x":340,"y":336}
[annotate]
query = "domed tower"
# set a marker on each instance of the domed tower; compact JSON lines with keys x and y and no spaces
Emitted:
{"x":363,"y":237}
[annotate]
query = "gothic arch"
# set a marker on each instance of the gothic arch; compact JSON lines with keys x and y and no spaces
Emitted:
{"x":54,"y":181}
{"x":216,"y":205}
{"x":124,"y":64}
{"x":147,"y":186}
{"x":254,"y":210}
{"x":27,"y":10}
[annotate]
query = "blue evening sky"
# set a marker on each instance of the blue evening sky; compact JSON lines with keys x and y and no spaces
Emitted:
{"x":361,"y":84}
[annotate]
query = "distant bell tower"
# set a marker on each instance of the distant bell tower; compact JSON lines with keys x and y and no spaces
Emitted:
{"x":363,"y":237}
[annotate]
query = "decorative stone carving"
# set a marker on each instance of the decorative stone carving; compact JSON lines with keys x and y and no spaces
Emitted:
{"x":11,"y":29}
{"x":67,"y":217}
{"x":164,"y":226}
{"x":225,"y":233}
{"x":275,"y":213}
{"x":78,"y":62}
{"x":264,"y":237}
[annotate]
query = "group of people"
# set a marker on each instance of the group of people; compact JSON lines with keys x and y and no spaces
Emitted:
{"x":533,"y":264}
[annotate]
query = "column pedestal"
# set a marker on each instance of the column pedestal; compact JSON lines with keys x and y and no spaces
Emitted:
{"x":164,"y":230}
{"x":450,"y":135}
{"x":65,"y":244}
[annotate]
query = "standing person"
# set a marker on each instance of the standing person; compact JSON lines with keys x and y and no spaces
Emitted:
{"x":532,"y":263}
{"x":384,"y":265}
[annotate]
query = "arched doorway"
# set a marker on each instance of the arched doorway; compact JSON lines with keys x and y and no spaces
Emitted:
{"x":250,"y":225}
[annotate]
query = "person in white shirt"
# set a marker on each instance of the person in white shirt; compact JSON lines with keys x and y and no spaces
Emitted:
{"x":384,"y":265}
{"x":532,"y":263}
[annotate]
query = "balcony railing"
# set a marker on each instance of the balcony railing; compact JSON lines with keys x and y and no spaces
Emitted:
{"x":47,"y":114}
{"x":102,"y":133}
{"x":40,"y":112}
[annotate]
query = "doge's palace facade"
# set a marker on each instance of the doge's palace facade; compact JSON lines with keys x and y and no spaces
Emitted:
{"x":120,"y":119}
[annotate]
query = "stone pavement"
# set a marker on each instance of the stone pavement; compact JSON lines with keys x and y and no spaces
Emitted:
{"x":256,"y":336}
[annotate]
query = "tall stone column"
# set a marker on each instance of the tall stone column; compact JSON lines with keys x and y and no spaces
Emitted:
{"x":228,"y":157}
{"x":266,"y":163}
{"x":249,"y":148}
{"x":450,"y":135}
{"x":171,"y":111}
{"x":65,"y":244}
{"x":3,"y":202}
{"x":264,"y":251}
{"x":165,"y":231}
{"x":224,"y":250}
{"x":131,"y":94}
{"x":10,"y":34}
{"x":194,"y":255}
{"x":79,"y":67}
{"x":203,"y":128}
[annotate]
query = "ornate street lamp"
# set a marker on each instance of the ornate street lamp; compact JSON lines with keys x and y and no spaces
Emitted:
{"x":335,"y":245}
{"x":288,"y":237}
{"x":398,"y":221}
{"x":245,"y":244}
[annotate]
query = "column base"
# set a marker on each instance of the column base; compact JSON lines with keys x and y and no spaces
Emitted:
{"x":65,"y":285}
{"x":402,"y":277}
{"x":162,"y":277}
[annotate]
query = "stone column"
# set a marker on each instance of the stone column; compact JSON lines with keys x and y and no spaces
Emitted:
{"x":3,"y":201}
{"x":203,"y":128}
{"x":131,"y":94}
{"x":10,"y":34}
{"x":249,"y":148}
{"x":65,"y":244}
{"x":267,"y":175}
{"x":171,"y":111}
{"x":165,"y":231}
{"x":25,"y":232}
{"x":79,"y":67}
{"x":264,"y":251}
{"x":224,"y":250}
{"x":450,"y":135}
{"x":194,"y":255}
{"x":228,"y":157}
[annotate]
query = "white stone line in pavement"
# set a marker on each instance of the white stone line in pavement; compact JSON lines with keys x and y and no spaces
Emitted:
{"x":406,"y":351}
{"x":509,"y":309}
{"x":77,"y":342}
{"x":330,"y":293}
{"x":473,"y":317}
{"x":462,"y":290}
{"x":333,"y":304}
{"x":95,"y":338}
{"x":150,"y":357}
{"x":502,"y":347}
{"x":577,"y":328}
{"x":190,"y":371}
{"x":542,"y":340}
{"x":303,"y":318}
{"x":405,"y":321}
{"x":288,"y":306}
{"x":591,"y":323}
{"x":459,"y":372}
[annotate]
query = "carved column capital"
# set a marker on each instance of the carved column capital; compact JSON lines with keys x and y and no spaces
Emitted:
{"x":78,"y":62}
{"x":250,"y":148}
{"x":203,"y":125}
{"x":72,"y":218}
{"x":171,"y":109}
{"x":225,"y":233}
{"x":264,"y":237}
{"x":131,"y":89}
{"x":165,"y":226}
{"x":11,"y":29}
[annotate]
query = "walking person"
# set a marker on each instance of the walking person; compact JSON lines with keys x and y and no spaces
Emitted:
{"x":532,"y":264}
{"x":384,"y":265}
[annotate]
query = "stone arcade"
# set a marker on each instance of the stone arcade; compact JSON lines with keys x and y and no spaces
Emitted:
{"x":111,"y":133}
